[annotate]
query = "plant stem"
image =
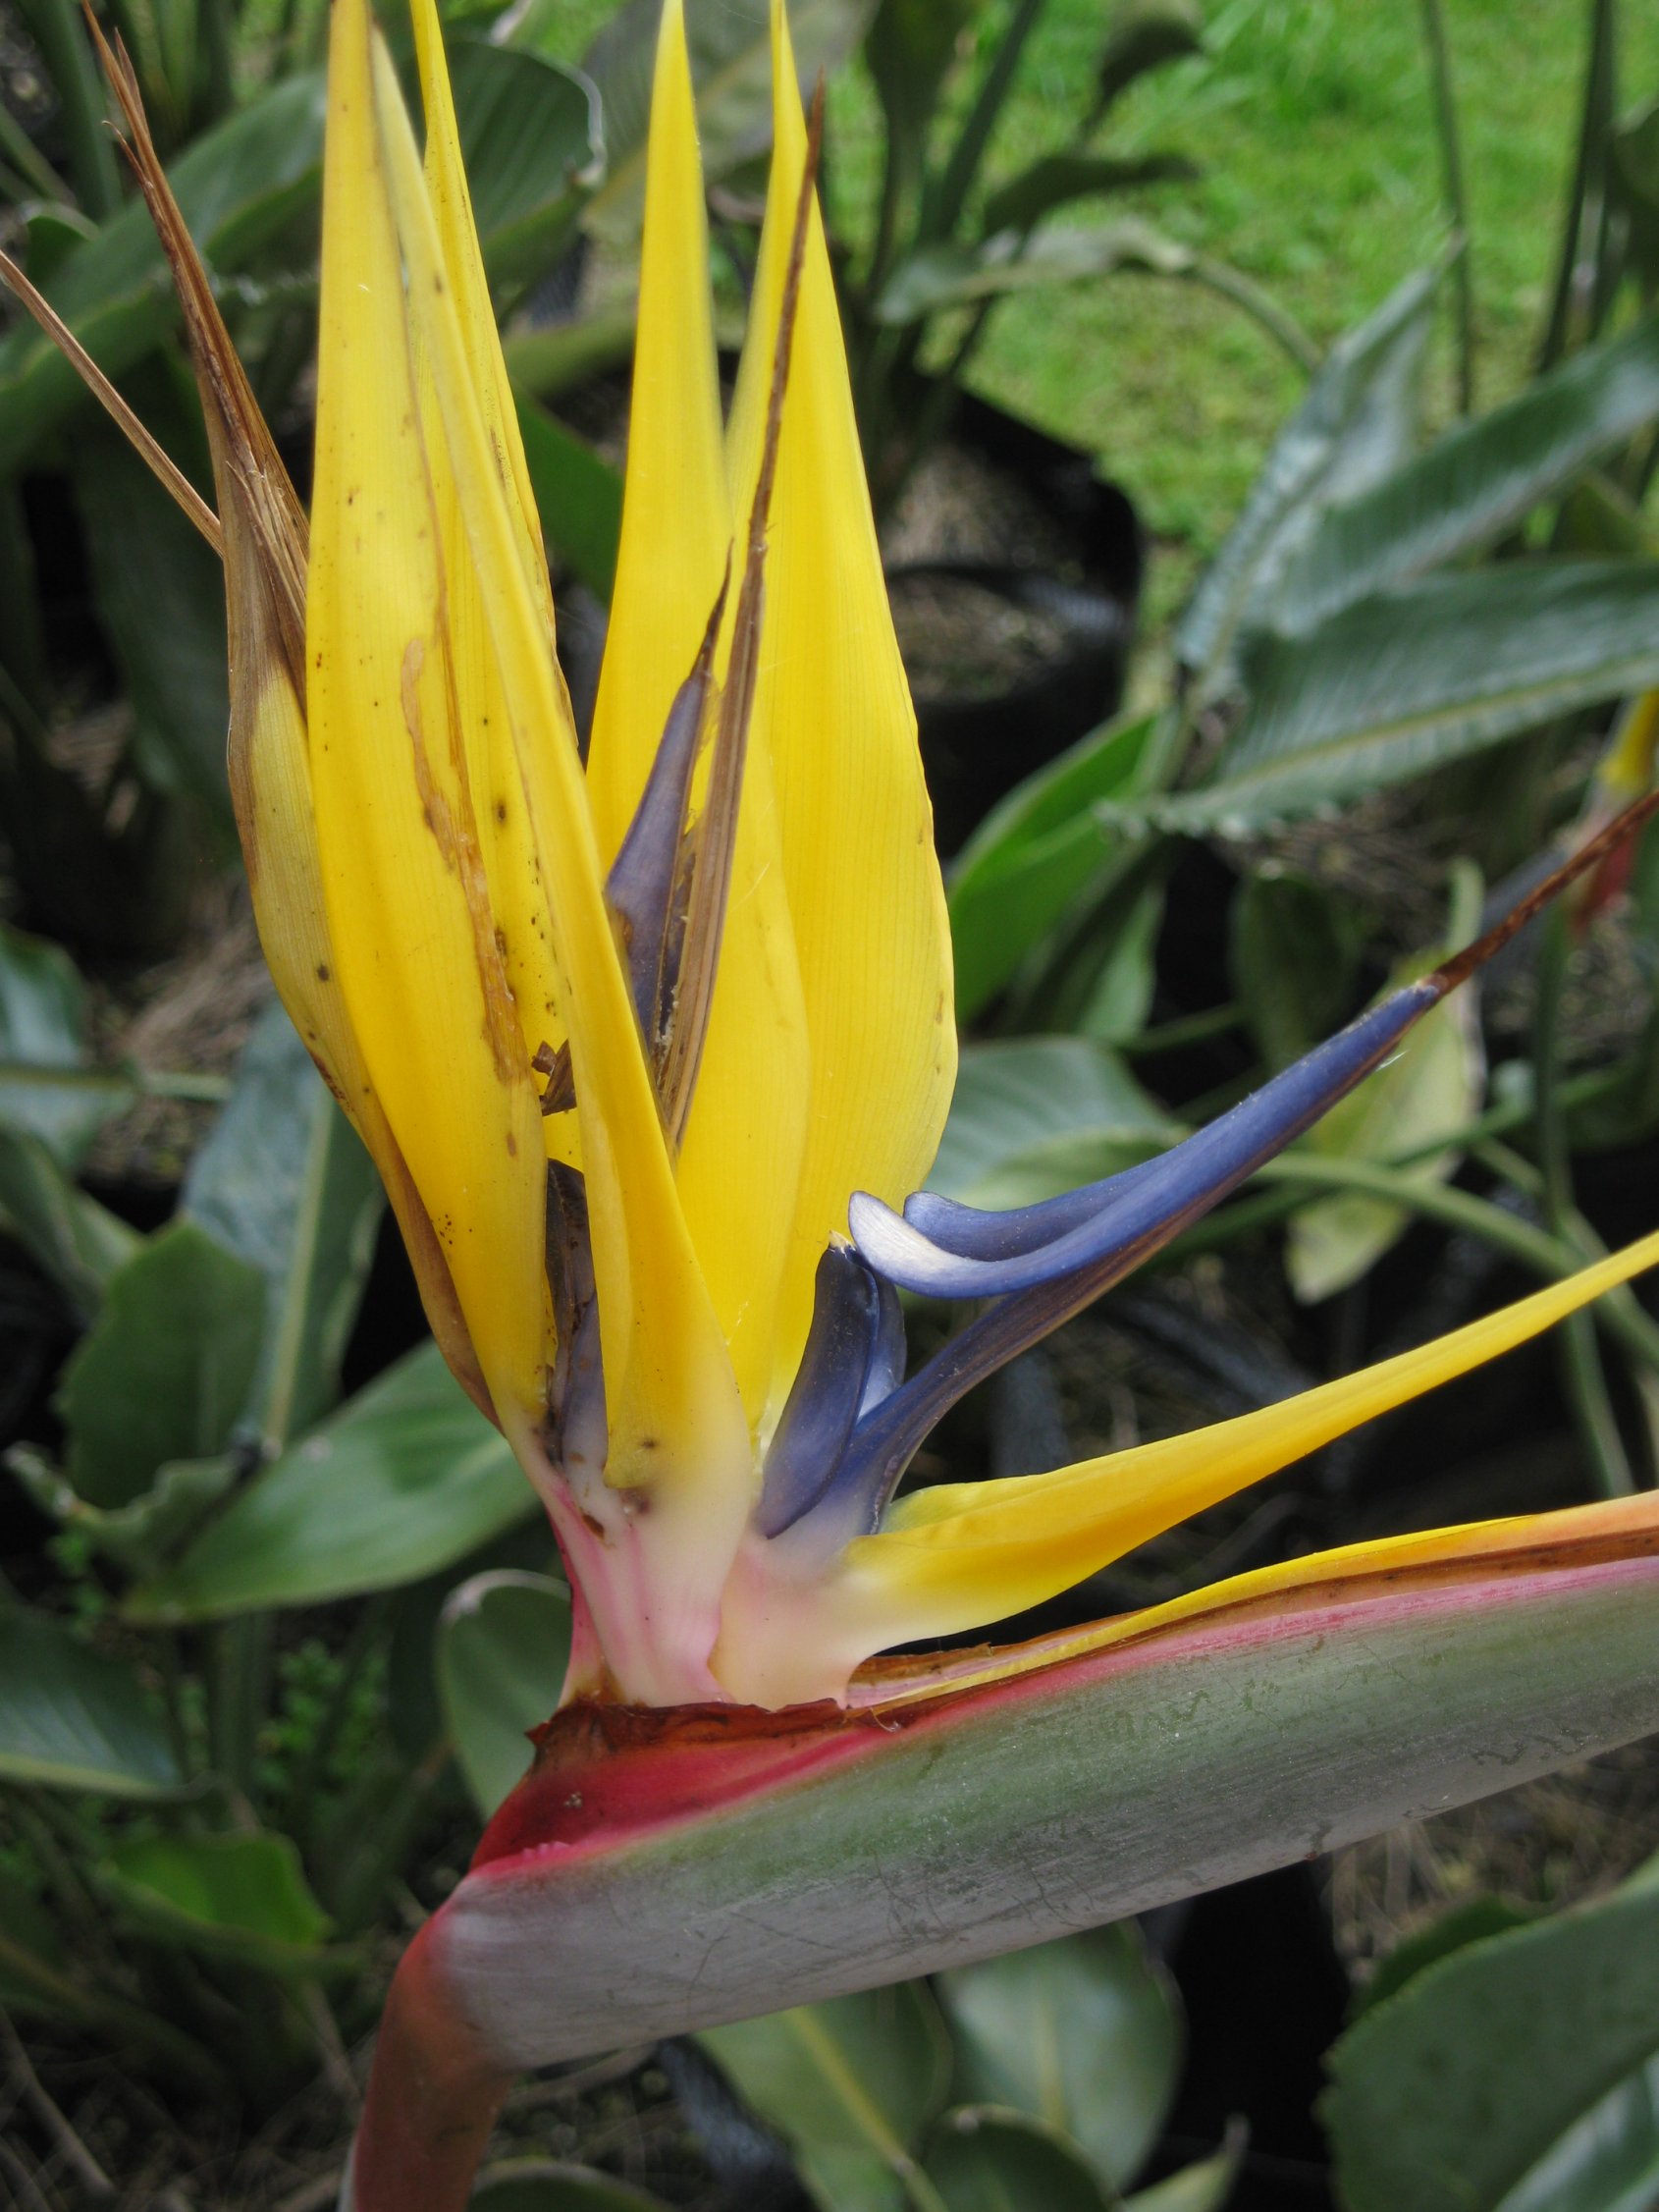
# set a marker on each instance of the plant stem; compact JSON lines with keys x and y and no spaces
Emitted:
{"x":55,"y":27}
{"x":181,"y":2054}
{"x":237,"y":1690}
{"x":1185,"y":1029}
{"x":1581,"y":1369}
{"x":1589,"y":164}
{"x":1280,"y":325}
{"x":1457,"y":204}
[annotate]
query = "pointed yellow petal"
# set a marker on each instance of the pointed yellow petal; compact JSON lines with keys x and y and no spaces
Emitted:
{"x":962,"y":1554}
{"x":402,"y":867}
{"x":674,"y":1420}
{"x":740,"y":1160}
{"x":676,"y":511}
{"x":464,"y":265}
{"x":505,"y":832}
{"x":854,"y":823}
{"x":265,"y":574}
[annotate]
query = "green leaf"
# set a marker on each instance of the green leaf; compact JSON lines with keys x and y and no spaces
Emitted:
{"x":909,"y":50}
{"x":942,"y":277}
{"x":1430,"y":1088}
{"x":1475,"y":483}
{"x":1635,"y":181}
{"x":73,"y":1718}
{"x":137,"y":1536}
{"x":241,"y":185}
{"x":244,"y":1898}
{"x":1057,"y":179}
{"x":731,"y":68}
{"x":1606,"y":2162}
{"x":1355,"y":423}
{"x":1522,"y":2072}
{"x":71,"y":1238}
{"x":1036,"y":853}
{"x":1146,"y":36}
{"x":43,"y":1029}
{"x":165,"y":1371}
{"x":1471,"y":1922}
{"x":850,"y":2085}
{"x":982,"y":2160}
{"x":1295,"y":951}
{"x":1413,"y":680}
{"x":405,"y":1480}
{"x":284,"y":1184}
{"x":533,"y":146}
{"x":1082,"y":2034}
{"x":579,"y":495}
{"x":1031,"y":1111}
{"x":1203,"y":2186}
{"x":161,"y":599}
{"x":548,"y":2184}
{"x":504,"y":1640}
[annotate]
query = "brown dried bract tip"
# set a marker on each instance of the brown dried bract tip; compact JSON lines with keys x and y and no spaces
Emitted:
{"x":1462,"y":966}
{"x":266,"y":549}
{"x":716,"y":828}
{"x":161,"y":464}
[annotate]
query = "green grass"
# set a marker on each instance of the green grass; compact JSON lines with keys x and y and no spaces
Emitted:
{"x":1313,"y":124}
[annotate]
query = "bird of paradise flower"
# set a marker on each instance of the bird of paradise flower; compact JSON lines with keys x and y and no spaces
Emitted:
{"x":652,"y":1057}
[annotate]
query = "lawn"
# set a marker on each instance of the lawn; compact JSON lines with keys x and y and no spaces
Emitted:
{"x":1310,"y":121}
{"x":1320,"y":178}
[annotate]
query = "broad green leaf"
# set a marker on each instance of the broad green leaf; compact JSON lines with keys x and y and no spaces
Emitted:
{"x":1479,"y":481}
{"x":559,"y":358}
{"x":942,"y":277}
{"x":1606,"y":2162}
{"x":982,"y":2160}
{"x":849,"y":2084}
{"x":405,"y":1478}
{"x":74,"y":1719}
{"x":1413,"y":680}
{"x":531,"y":138}
{"x":165,"y":1371}
{"x":547,"y":2185}
{"x":1356,"y":424}
{"x":1036,"y":854}
{"x":137,"y":1536}
{"x":1203,"y":2186}
{"x":1295,"y":950}
{"x":504,"y":1640}
{"x":1082,"y":2034}
{"x":1097,"y":975}
{"x":242,"y":186}
{"x":1522,"y":2072}
{"x":1145,"y":35}
{"x":1058,"y":180}
{"x":1027,"y":1111}
{"x":42,"y":1030}
{"x":1472,"y":1922}
{"x":579,"y":495}
{"x":161,"y":600}
{"x":1430,"y":1088}
{"x":909,"y":50}
{"x":731,"y":68}
{"x":1208,"y":1747}
{"x":284,"y":1183}
{"x":244,"y":1898}
{"x":1635,"y":179}
{"x":71,"y":1238}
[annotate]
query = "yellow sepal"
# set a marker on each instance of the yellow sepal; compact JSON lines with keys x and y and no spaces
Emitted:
{"x":855,"y":828}
{"x":960,"y":1556}
{"x":402,"y":863}
{"x":674,"y":1415}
